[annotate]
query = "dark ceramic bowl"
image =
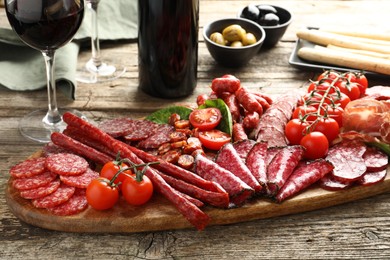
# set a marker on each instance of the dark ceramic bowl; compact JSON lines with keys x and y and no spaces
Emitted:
{"x":276,"y":32}
{"x":233,"y":56}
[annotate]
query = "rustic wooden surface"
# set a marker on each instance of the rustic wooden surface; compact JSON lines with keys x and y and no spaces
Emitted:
{"x":356,"y":230}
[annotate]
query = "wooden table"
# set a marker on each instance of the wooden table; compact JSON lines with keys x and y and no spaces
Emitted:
{"x":359,"y":229}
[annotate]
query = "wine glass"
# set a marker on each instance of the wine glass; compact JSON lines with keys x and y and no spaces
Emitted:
{"x":97,"y":70}
{"x":45,"y":25}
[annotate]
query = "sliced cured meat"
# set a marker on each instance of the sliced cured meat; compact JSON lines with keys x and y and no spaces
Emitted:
{"x":243,"y":147}
{"x":80,"y":181}
{"x":118,"y":127}
{"x":329,"y":182}
{"x":273,"y":136}
{"x":347,"y":158}
{"x":238,"y":132}
{"x":229,"y":159}
{"x":282,"y":166}
{"x":375,"y":160}
{"x":40,"y":191}
{"x":238,"y":190}
{"x":304,"y":175}
{"x":61,"y":195}
{"x":76,"y":204}
{"x":378,"y":92}
{"x":28,"y":168}
{"x":161,"y":136}
{"x":370,"y":178}
{"x":33,"y":182}
{"x":271,"y":154}
{"x":50,"y":148}
{"x":142,"y":130}
{"x":66,"y":164}
{"x":256,"y":162}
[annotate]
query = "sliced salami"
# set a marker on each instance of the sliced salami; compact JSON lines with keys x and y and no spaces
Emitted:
{"x":80,"y":181}
{"x":51,"y":148}
{"x":304,"y":175}
{"x":161,"y":136}
{"x":66,"y":164}
{"x":229,"y":159}
{"x":28,"y":168}
{"x":282,"y":166}
{"x":40,"y":191}
{"x":243,"y":147}
{"x":238,"y":190}
{"x":375,"y":160}
{"x":118,"y":127}
{"x":142,"y":130}
{"x":347,"y":158}
{"x":256,"y":162}
{"x":61,"y":195}
{"x":370,"y":178}
{"x":76,"y":204}
{"x":329,"y":182}
{"x":33,"y":182}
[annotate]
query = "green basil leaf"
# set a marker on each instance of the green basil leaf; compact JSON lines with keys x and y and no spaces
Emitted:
{"x":226,"y":124}
{"x":162,"y":116}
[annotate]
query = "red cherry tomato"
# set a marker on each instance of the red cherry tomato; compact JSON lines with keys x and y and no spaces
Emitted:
{"x":362,"y":82}
{"x":111,"y":168}
{"x":328,"y":76}
{"x":205,"y":118}
{"x":341,"y":99}
{"x":295,"y":130}
{"x":335,"y":112}
{"x":316,"y":145}
{"x":101,"y":195}
{"x":137,"y":192}
{"x":213,"y":139}
{"x":309,"y":112}
{"x":329,"y":127}
{"x":351,"y":89}
{"x":320,"y":87}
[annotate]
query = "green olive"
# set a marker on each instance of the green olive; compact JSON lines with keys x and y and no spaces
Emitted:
{"x":217,"y":38}
{"x":249,"y":39}
{"x":233,"y":33}
{"x":236,"y":44}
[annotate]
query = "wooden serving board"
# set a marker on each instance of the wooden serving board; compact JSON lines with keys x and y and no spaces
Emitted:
{"x":160,"y":214}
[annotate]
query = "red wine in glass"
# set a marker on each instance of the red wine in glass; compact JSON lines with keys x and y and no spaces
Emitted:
{"x":45,"y":25}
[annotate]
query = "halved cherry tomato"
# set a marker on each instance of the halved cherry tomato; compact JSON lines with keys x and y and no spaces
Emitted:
{"x":101,"y":194}
{"x":295,"y":130}
{"x":329,"y":127}
{"x":205,"y":118}
{"x":213,"y":139}
{"x":137,"y":192}
{"x":309,"y":112}
{"x":111,"y":168}
{"x":316,"y":145}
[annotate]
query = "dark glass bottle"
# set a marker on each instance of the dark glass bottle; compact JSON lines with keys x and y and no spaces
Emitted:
{"x":168,"y":47}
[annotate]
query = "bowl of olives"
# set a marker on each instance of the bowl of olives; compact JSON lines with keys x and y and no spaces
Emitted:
{"x":232,"y":42}
{"x":274,"y":20}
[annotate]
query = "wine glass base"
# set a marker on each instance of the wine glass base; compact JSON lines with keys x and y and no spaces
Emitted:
{"x":32,"y":127}
{"x":105,"y":72}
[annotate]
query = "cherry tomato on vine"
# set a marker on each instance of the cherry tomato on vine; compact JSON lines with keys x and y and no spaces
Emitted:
{"x":342,"y":100}
{"x":109,"y":170}
{"x":328,"y":76}
{"x":329,"y":127}
{"x":335,"y":112}
{"x":295,"y":130}
{"x":137,"y":192}
{"x":301,"y":111}
{"x":320,"y":87}
{"x":362,"y":82}
{"x":316,"y":145}
{"x":101,"y":195}
{"x":351,"y":89}
{"x":205,"y":118}
{"x":213,"y":139}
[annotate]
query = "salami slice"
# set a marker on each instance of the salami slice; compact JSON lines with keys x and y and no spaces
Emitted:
{"x":282,"y":166}
{"x":370,"y":178}
{"x":33,"y":182}
{"x":80,"y":181}
{"x":229,"y":159}
{"x":66,"y":164}
{"x":142,"y":130}
{"x":76,"y":204}
{"x":161,"y":136}
{"x":375,"y":160}
{"x":329,"y":182}
{"x":118,"y":127}
{"x":238,"y":190}
{"x":28,"y":168}
{"x":304,"y":175}
{"x":61,"y":195}
{"x":256,"y":162}
{"x":243,"y":147}
{"x":41,"y":191}
{"x":347,"y":158}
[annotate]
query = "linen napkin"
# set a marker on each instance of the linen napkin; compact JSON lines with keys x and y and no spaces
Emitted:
{"x":22,"y":68}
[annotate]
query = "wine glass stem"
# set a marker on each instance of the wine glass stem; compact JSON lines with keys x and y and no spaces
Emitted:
{"x":53,"y":116}
{"x":93,"y":6}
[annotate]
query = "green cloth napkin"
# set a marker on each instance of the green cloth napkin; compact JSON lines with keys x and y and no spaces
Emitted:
{"x":22,"y":68}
